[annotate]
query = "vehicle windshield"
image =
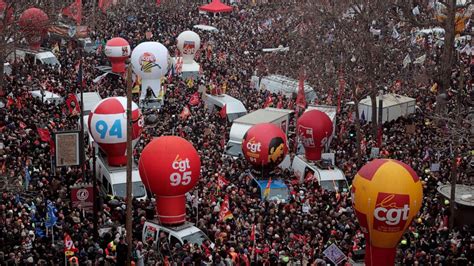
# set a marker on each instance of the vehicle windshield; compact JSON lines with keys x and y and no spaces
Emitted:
{"x":279,"y":194}
{"x":50,"y":61}
{"x":234,"y":149}
{"x":332,"y":185}
{"x":196,"y":238}
{"x":138,"y":189}
{"x":233,"y":116}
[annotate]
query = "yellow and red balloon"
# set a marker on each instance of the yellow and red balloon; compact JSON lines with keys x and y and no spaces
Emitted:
{"x":387,"y":195}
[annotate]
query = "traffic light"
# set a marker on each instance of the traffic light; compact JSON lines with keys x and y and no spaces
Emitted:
{"x":352,"y":132}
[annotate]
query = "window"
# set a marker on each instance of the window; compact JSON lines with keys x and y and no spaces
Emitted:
{"x":174,"y":241}
{"x":105,"y":184}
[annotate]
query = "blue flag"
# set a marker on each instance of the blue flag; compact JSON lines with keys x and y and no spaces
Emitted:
{"x":51,"y":217}
{"x":40,"y":233}
{"x":363,"y":117}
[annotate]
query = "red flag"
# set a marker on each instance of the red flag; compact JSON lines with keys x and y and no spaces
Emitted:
{"x":225,"y":212}
{"x":222,"y":142}
{"x":158,"y":2}
{"x":194,"y":100}
{"x":221,"y":182}
{"x":74,"y":11}
{"x":280,"y":103}
{"x":10,"y":102}
{"x":44,"y":134}
{"x":73,"y":104}
{"x":301,"y":97}
{"x":104,"y":5}
{"x":268,"y":101}
{"x":223,"y":111}
{"x":363,"y":146}
{"x":291,"y":105}
{"x":252,"y":234}
{"x":185,"y":113}
{"x":22,"y":125}
{"x":69,"y":247}
{"x":329,"y":99}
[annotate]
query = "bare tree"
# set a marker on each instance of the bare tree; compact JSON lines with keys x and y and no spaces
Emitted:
{"x":10,"y":33}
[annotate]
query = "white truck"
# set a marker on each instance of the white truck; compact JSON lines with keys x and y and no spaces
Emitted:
{"x":41,"y":56}
{"x":186,"y":232}
{"x":241,"y":125}
{"x":113,"y":179}
{"x":234,"y":107}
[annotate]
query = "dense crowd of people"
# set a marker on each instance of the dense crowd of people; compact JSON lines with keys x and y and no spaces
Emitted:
{"x":287,"y":233}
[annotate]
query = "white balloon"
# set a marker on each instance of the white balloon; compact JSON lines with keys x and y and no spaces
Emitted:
{"x":150,"y":62}
{"x":189,"y":43}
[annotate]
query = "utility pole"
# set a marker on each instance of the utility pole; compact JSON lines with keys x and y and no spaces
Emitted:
{"x":457,"y":140}
{"x":380,"y":119}
{"x":128,"y":223}
{"x":82,"y":157}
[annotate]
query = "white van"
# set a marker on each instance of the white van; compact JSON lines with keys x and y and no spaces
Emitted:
{"x":47,"y":97}
{"x":114,"y":179}
{"x":329,"y":176}
{"x":175,"y":234}
{"x":282,"y":84}
{"x":91,"y":99}
{"x":234,"y":107}
{"x":241,"y":125}
{"x":36,"y":57}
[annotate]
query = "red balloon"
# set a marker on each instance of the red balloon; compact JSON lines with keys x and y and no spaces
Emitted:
{"x":314,"y":130}
{"x":169,"y":167}
{"x":107,"y":125}
{"x":117,"y":50}
{"x":33,"y":23}
{"x":265,"y":146}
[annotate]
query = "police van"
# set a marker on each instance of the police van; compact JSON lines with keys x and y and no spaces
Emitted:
{"x":187,"y":232}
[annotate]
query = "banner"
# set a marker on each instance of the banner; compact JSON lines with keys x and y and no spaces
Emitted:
{"x":334,"y":254}
{"x":67,"y":148}
{"x":82,"y":196}
{"x":74,"y":11}
{"x":69,"y":248}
